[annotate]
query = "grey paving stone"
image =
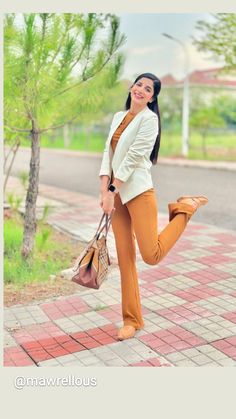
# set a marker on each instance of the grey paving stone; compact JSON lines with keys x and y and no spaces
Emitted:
{"x":82,"y":322}
{"x":17,"y":310}
{"x":190,"y":353}
{"x":175,"y":283}
{"x":150,"y":327}
{"x":73,"y":363}
{"x":215,"y":327}
{"x":34,"y":309}
{"x":216,"y":355}
{"x":8,"y":340}
{"x":68,"y":326}
{"x":205,"y":348}
{"x":66,"y":358}
{"x":135,"y":342}
{"x":49,"y":363}
{"x":83,"y":354}
{"x":204,"y":321}
{"x":96,"y":319}
{"x":8,"y":316}
{"x":27,"y":322}
{"x":209,"y":336}
{"x":116,"y":362}
{"x":151,"y":305}
{"x":227,"y":362}
{"x":126,"y":353}
{"x":99,"y":364}
{"x":201,"y":359}
{"x":167,"y":300}
{"x":185,"y":267}
{"x":107,"y":356}
{"x":185,"y":363}
{"x":212,"y":364}
{"x":92,"y":361}
{"x":23,"y":315}
{"x":148,"y":354}
{"x":41,"y":319}
{"x":11,"y":324}
{"x":224,"y":333}
{"x":176,"y":356}
{"x":232,"y":329}
{"x":141,"y":349}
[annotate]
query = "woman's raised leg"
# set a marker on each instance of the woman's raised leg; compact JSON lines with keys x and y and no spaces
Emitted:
{"x":143,"y":211}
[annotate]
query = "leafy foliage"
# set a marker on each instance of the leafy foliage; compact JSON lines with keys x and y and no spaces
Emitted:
{"x":219,"y":38}
{"x":58,"y":65}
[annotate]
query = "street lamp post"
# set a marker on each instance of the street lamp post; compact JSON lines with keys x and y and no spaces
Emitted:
{"x":185,"y":108}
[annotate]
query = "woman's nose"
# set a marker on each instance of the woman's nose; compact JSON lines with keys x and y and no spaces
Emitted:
{"x":141,"y":90}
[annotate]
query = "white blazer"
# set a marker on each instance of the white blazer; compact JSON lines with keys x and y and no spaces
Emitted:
{"x":131,"y":160}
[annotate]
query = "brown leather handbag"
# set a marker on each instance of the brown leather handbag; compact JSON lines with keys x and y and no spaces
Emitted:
{"x":91,"y":267}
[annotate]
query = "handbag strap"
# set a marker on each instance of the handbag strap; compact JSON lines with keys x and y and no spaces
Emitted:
{"x":106,"y":225}
{"x":100,"y":224}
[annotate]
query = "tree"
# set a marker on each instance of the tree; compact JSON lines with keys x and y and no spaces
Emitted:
{"x":219,"y":38}
{"x":226,"y":106}
{"x":171,"y":107}
{"x":204,"y":119}
{"x":51,"y":64}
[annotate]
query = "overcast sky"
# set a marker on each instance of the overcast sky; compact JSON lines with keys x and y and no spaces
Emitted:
{"x":147,"y":50}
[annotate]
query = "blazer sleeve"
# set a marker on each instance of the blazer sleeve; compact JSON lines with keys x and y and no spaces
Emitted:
{"x":142,"y":145}
{"x":105,"y":165}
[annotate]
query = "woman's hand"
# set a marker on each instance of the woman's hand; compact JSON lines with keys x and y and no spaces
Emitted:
{"x":107,"y":202}
{"x":102,"y":194}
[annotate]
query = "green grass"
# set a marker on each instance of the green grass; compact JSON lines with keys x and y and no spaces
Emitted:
{"x":219,"y":146}
{"x":78,"y":142}
{"x":49,"y":261}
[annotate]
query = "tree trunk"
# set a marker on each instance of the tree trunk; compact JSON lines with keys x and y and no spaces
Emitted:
{"x":30,"y":223}
{"x":204,"y":149}
{"x":66,"y":136}
{"x":87,"y":130}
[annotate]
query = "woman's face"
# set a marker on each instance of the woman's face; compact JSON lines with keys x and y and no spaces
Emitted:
{"x":142,"y":91}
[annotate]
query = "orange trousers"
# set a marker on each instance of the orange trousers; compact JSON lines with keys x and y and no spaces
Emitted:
{"x":138,"y":218}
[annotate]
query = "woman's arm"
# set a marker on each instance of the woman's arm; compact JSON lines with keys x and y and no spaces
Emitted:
{"x":105,"y":180}
{"x":104,"y":183}
{"x":117,"y":183}
{"x":107,"y":197}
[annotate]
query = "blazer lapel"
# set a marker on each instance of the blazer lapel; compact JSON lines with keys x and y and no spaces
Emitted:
{"x":117,"y":123}
{"x":121,"y":117}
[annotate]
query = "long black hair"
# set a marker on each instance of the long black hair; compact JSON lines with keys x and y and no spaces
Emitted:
{"x":154,"y":107}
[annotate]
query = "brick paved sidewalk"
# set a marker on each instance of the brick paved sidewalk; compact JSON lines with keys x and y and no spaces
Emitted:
{"x":188,"y":302}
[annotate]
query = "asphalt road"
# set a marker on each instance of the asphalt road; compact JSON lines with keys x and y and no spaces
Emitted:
{"x":80,"y":173}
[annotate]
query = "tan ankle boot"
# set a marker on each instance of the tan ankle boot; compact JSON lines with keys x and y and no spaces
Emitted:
{"x":195,"y":201}
{"x":126,"y":332}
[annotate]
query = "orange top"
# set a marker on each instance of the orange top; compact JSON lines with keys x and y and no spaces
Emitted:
{"x":115,"y":138}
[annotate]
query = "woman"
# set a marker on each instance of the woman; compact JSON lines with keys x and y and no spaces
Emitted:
{"x":127,"y":191}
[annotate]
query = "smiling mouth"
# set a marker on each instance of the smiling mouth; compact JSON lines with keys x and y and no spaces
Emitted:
{"x":138,"y":96}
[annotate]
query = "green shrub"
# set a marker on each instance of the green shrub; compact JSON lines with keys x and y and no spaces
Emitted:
{"x":49,"y":256}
